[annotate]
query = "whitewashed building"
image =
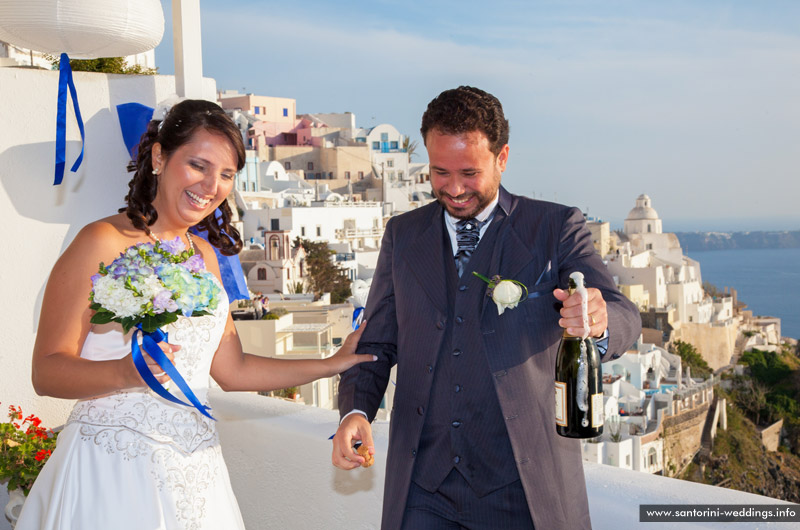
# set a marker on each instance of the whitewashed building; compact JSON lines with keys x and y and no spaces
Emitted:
{"x":278,"y":267}
{"x":646,"y":256}
{"x":357,"y":223}
{"x":634,"y":387}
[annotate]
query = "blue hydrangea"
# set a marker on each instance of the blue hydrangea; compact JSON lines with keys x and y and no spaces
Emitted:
{"x":153,"y":280}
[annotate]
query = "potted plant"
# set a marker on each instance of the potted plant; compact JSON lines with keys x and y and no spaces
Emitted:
{"x":288,"y":393}
{"x":25,"y":446}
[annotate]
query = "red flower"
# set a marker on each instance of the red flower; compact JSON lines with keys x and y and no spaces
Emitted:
{"x":33,"y":420}
{"x":15,"y":413}
{"x":42,"y":454}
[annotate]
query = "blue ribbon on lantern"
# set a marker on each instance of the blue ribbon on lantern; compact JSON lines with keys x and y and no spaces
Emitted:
{"x":66,"y":83}
{"x":150,"y":343}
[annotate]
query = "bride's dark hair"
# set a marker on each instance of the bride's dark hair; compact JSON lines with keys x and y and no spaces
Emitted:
{"x":177,"y":128}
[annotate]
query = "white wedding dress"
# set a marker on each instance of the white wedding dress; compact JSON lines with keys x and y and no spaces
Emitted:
{"x":134,"y":461}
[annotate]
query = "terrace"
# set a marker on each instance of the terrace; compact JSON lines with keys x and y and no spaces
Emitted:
{"x":279,"y":455}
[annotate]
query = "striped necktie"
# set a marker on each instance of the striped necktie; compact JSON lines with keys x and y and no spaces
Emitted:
{"x":467,"y":235}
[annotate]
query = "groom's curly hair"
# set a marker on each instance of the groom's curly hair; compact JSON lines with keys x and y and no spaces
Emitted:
{"x":466,"y":109}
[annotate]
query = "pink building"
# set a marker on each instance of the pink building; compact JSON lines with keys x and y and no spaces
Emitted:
{"x":277,"y":119}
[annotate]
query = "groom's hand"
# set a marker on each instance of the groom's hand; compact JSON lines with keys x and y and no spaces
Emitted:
{"x":571,"y":315}
{"x":354,"y":427}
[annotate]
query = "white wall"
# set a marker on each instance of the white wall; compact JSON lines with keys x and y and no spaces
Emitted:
{"x":640,"y":272}
{"x":329,"y":219}
{"x":367,"y":262}
{"x":641,"y":452}
{"x":593,"y":452}
{"x":41,"y":219}
{"x":260,"y":337}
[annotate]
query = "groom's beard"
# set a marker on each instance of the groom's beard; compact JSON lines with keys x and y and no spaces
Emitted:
{"x":483,"y":200}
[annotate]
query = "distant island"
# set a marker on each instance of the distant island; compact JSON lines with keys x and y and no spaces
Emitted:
{"x":733,"y":240}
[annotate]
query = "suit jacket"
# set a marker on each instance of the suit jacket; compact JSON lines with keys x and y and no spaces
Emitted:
{"x":539,"y":244}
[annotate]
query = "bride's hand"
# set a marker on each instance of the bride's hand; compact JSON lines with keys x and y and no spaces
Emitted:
{"x":346,"y":356}
{"x":169,"y":351}
{"x":135,"y":380}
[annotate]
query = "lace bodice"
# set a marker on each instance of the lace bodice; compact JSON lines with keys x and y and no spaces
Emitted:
{"x":129,"y":420}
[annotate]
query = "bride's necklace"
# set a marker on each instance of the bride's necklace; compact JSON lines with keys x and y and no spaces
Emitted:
{"x":158,"y":240}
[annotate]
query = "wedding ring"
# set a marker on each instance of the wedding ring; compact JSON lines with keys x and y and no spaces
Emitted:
{"x":159,"y":375}
{"x":591,"y":318}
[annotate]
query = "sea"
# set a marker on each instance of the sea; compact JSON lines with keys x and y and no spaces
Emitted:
{"x":767,"y":280}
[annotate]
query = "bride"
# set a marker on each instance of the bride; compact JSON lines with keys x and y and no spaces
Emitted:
{"x":128,"y":459}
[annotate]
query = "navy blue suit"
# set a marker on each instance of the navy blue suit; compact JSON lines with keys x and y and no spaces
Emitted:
{"x":444,"y":333}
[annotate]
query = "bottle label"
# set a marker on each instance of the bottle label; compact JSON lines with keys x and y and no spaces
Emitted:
{"x":597,"y":410}
{"x":561,"y":404}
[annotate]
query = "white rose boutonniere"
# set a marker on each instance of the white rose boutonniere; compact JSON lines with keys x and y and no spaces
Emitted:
{"x":505,"y":293}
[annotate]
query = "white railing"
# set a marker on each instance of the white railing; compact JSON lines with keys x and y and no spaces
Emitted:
{"x":352,"y":233}
{"x":347,"y":204}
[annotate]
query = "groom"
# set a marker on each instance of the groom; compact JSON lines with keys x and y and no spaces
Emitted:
{"x":472,"y":442}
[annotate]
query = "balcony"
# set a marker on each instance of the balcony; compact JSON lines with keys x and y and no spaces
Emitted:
{"x":347,"y":204}
{"x":358,"y":233}
{"x":279,"y":458}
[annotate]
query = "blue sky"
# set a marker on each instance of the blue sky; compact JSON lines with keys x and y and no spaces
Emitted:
{"x":696,"y":103}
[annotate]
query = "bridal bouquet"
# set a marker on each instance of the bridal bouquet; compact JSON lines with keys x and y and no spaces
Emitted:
{"x":150,"y":284}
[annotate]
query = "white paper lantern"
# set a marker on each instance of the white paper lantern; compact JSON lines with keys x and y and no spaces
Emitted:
{"x":84,"y":29}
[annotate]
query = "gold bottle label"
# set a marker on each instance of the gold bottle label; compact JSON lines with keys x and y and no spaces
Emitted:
{"x":561,"y":404}
{"x":597,"y":410}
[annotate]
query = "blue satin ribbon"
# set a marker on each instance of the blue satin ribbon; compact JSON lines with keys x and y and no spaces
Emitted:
{"x":64,"y":83}
{"x":358,"y":317}
{"x":230,"y":270}
{"x":150,"y":342}
{"x":133,"y":120}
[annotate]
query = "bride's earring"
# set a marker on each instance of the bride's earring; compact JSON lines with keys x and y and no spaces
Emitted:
{"x":155,"y":171}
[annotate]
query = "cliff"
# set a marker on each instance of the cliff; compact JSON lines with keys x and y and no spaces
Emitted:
{"x":756,"y":401}
{"x":739,"y":461}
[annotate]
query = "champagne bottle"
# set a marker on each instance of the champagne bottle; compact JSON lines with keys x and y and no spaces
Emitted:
{"x":579,"y":381}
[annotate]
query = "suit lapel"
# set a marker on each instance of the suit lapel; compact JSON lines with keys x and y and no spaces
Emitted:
{"x":510,"y":255}
{"x":428,"y":252}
